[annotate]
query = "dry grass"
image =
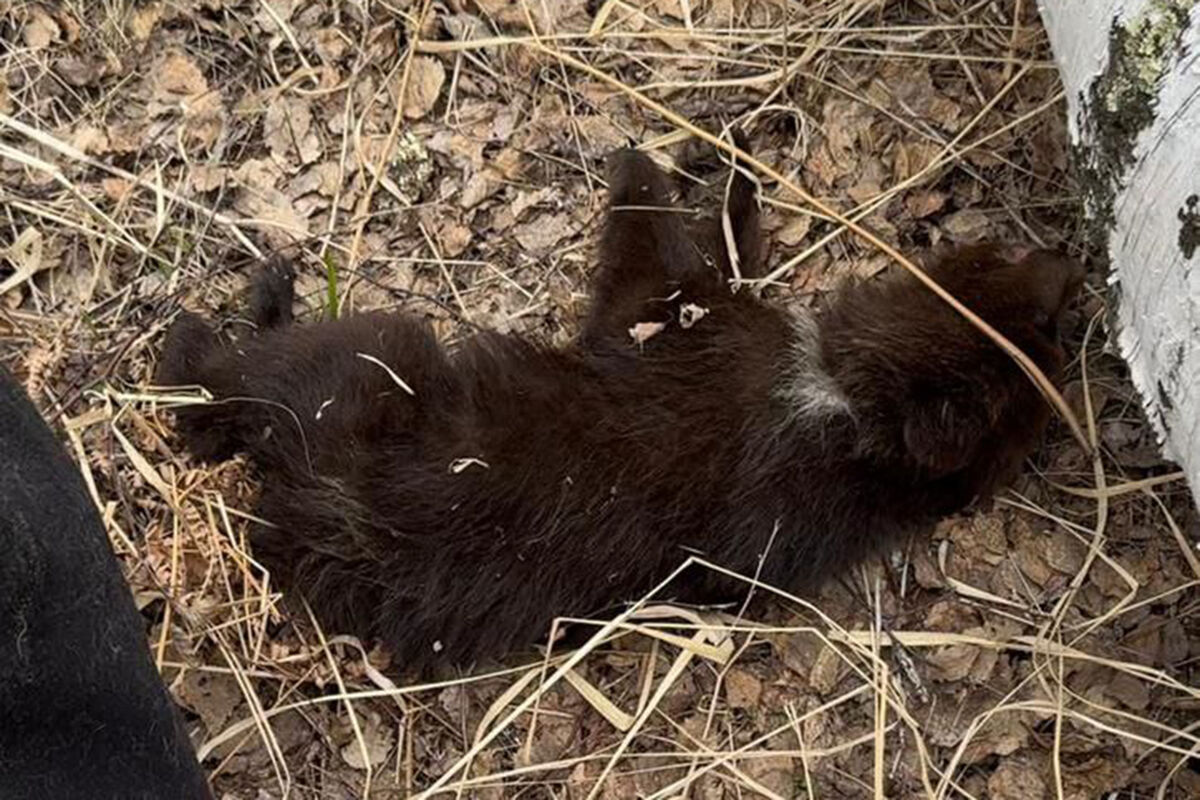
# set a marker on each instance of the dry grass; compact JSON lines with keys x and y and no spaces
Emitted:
{"x":445,"y":158}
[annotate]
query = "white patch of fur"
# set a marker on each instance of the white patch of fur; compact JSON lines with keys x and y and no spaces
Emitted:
{"x":809,"y":391}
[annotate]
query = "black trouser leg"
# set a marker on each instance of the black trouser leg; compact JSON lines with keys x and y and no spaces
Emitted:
{"x":83,"y":713}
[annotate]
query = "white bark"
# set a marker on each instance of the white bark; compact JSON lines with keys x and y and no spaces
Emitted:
{"x":1131,"y":69}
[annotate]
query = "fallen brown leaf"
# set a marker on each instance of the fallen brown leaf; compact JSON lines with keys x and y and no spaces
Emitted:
{"x":377,"y":738}
{"x":267,"y":205}
{"x":424,"y":85}
{"x":966,"y":226}
{"x":1016,"y":779}
{"x":922,"y":203}
{"x":143,"y":19}
{"x":542,"y":234}
{"x":41,"y":30}
{"x":179,"y":86}
{"x":794,"y":232}
{"x":742,"y":689}
{"x":288,"y":131}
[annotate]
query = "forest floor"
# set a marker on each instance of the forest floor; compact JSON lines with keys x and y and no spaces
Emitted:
{"x":442,"y":159}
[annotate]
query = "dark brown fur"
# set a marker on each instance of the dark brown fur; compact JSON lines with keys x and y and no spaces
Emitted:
{"x":602,"y":465}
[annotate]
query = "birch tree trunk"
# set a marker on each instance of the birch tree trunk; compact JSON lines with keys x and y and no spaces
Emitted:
{"x":1131,"y":69}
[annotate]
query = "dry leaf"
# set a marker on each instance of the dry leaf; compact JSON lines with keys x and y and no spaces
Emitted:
{"x":869,"y":184}
{"x":425,"y":80}
{"x":1065,"y":553}
{"x":480,"y":187}
{"x":81,"y":72}
{"x":527,"y":199}
{"x":551,"y":738}
{"x":807,"y":655}
{"x":774,"y":772}
{"x":90,"y":139}
{"x":670,"y":8}
{"x":323,"y":178}
{"x":546,"y":16}
{"x":724,"y":13}
{"x":819,"y":273}
{"x":953,"y":662}
{"x":177,"y":77}
{"x":795,"y":230}
{"x":921,"y":204}
{"x":1095,"y":777}
{"x":330,"y":44}
{"x":910,"y":85}
{"x":966,"y":226}
{"x":271,"y":208}
{"x":143,"y":20}
{"x":822,"y":167}
{"x":117,"y":189}
{"x":1029,"y":550}
{"x":213,"y":697}
{"x":1016,"y":779}
{"x":179,"y":85}
{"x":542,"y":234}
{"x":41,"y":30}
{"x":599,"y":135}
{"x":465,"y":151}
{"x":742,"y":689}
{"x":910,"y":158}
{"x":1175,"y":642}
{"x":206,"y":177}
{"x":1130,"y":691}
{"x":288,"y":131}
{"x":873,"y":264}
{"x":68,"y":23}
{"x":377,"y":736}
{"x":124,"y":138}
{"x":850,"y":121}
{"x":280,"y":11}
{"x":1002,"y":736}
{"x":454,"y":238}
{"x":509,"y":163}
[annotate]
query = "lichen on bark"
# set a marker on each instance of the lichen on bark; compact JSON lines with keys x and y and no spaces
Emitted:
{"x":1189,"y":227}
{"x":1122,"y":102}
